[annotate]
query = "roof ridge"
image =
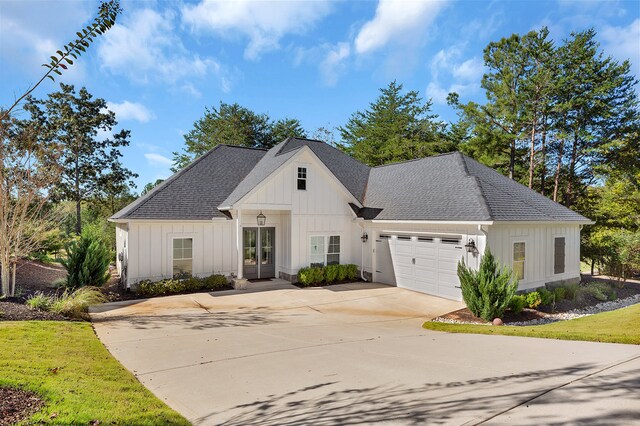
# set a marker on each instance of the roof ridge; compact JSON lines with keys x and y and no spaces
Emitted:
{"x":241,"y":146}
{"x":512,"y":194}
{"x":417,"y":159}
{"x":480,"y":192}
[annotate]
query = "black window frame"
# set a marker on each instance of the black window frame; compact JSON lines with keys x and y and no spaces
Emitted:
{"x":302,"y":179}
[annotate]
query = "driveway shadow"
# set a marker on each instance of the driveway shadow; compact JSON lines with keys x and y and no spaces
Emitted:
{"x":437,"y":403}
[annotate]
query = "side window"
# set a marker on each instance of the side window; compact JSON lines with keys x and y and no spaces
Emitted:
{"x":558,"y":255}
{"x":324,"y":250}
{"x":182,"y":257}
{"x":302,"y":178}
{"x":333,"y":254}
{"x":519,"y":259}
{"x":317,"y":251}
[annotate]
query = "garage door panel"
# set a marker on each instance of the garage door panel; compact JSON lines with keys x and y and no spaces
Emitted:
{"x":405,"y":270}
{"x":426,"y":250}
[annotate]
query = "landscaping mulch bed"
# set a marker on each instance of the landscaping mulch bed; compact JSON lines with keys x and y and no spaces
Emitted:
{"x":324,"y":284}
{"x":630,"y":288}
{"x":14,"y":309}
{"x":33,"y":276}
{"x":17,"y":405}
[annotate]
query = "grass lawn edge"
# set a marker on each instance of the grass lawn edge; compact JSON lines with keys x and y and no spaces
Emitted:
{"x":618,"y":326}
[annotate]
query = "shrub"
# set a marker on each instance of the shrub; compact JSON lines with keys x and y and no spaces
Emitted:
{"x":76,"y":304}
{"x":87,"y":262}
{"x":601,"y":291}
{"x":342,"y":272}
{"x":517,"y":304}
{"x":352,"y":271}
{"x":174,"y":285}
{"x":488,"y":291}
{"x":546,"y":297}
{"x":559,"y":293}
{"x":331,"y":273}
{"x":533,"y":299}
{"x":572,"y":291}
{"x":40,"y":301}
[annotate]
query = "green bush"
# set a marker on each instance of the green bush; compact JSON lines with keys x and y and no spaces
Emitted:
{"x":87,"y":262}
{"x":174,"y":286}
{"x":40,"y":301}
{"x":331,"y":273}
{"x":70,"y":304}
{"x":533,"y":299}
{"x":517,"y":304}
{"x":559,"y":293}
{"x":571,"y":291}
{"x":488,"y":291}
{"x":546,"y":297}
{"x":342,"y":272}
{"x":601,"y":291}
{"x":352,"y":272}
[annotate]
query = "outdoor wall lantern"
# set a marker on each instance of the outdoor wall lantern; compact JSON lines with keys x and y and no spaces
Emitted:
{"x":364,"y":237}
{"x":262,"y":219}
{"x":471,"y":247}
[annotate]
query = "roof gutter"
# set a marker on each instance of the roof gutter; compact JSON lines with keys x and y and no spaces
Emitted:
{"x":436,"y":222}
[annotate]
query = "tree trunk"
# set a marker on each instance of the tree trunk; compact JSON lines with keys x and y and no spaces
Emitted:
{"x":78,"y":218}
{"x":512,"y":159}
{"x":13,"y":279}
{"x":572,"y":172}
{"x":593,"y":265}
{"x":78,"y":200}
{"x":5,"y":277}
{"x":543,"y":152}
{"x":559,"y":167}
{"x":532,"y":154}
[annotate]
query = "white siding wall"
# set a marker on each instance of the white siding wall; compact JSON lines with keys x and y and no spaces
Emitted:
{"x":539,"y":246}
{"x":151,"y":255}
{"x":121,"y":243}
{"x":321,"y":209}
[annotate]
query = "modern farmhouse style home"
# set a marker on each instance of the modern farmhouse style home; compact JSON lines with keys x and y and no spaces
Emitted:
{"x":257,"y":214}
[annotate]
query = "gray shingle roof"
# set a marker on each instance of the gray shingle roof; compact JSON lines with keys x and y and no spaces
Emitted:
{"x":456,"y":188}
{"x":195,"y":192}
{"x":350,"y":172}
{"x":447,"y":187}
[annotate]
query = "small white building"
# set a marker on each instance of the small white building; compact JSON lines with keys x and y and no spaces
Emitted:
{"x":259,"y":214}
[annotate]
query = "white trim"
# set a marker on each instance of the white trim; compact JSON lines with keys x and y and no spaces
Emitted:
{"x":514,"y":241}
{"x":544,"y":222}
{"x":177,"y":236}
{"x":214,"y":219}
{"x":433,"y":222}
{"x":294,"y":158}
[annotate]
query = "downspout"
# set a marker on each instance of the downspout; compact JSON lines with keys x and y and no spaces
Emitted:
{"x":486,"y":237}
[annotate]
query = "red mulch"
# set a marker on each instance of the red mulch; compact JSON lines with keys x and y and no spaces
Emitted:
{"x":465,"y":315}
{"x":17,"y":405}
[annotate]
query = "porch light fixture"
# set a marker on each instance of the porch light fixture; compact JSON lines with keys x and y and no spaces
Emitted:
{"x":364,"y":237}
{"x":471,"y":247}
{"x":262,"y":219}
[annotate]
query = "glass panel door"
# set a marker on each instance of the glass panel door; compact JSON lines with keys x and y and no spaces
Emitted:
{"x":267,"y":253}
{"x":250,"y":252}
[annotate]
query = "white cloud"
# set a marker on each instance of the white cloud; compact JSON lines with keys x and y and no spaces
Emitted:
{"x":397,"y":20}
{"x":264,"y":23}
{"x":333,"y":63}
{"x":158,"y":160}
{"x":463,"y":76}
{"x":131,"y":111}
{"x":147,"y":49}
{"x":623,"y":43}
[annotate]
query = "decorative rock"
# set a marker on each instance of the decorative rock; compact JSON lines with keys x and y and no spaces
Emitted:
{"x":497,"y":321}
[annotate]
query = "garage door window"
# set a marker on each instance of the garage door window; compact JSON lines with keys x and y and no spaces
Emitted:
{"x":182,"y":257}
{"x":325,"y":250}
{"x":519,"y":259}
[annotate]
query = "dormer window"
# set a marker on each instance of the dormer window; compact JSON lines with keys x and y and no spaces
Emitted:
{"x":302,"y":178}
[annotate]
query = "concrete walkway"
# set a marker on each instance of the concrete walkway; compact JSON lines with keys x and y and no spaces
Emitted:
{"x":353,"y":354}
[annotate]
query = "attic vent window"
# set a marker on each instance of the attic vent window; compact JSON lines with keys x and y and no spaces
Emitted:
{"x":302,"y":178}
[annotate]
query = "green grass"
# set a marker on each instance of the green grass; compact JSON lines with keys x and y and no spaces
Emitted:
{"x":619,"y":326}
{"x":66,"y":364}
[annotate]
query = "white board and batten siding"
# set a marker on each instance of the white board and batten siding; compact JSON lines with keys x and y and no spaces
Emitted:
{"x":321,"y":209}
{"x":539,"y":250}
{"x":150,"y":251}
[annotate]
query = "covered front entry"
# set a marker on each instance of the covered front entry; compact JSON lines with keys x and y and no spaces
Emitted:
{"x":424,"y":263}
{"x":259,"y":252}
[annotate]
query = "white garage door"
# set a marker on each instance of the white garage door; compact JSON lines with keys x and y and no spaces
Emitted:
{"x":427,"y":264}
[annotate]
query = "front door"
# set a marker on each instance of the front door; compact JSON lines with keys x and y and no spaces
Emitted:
{"x":259,"y":253}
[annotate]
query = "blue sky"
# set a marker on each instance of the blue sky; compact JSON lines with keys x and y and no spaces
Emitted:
{"x":318,"y":61}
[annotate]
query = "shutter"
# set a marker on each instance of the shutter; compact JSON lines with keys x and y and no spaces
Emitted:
{"x":558,"y":255}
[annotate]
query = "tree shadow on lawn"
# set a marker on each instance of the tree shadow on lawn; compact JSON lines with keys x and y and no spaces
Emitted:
{"x":198,"y":320}
{"x":437,"y":403}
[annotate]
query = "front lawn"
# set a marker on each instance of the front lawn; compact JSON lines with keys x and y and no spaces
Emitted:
{"x":619,"y":326}
{"x":79,"y":381}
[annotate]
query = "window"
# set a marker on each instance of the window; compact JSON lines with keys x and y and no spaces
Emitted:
{"x":519,"y":259}
{"x":302,"y":178}
{"x":558,"y":255}
{"x":325,"y":250}
{"x":182,"y":257}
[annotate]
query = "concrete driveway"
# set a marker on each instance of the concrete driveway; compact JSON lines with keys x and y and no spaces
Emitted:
{"x":354,"y":354}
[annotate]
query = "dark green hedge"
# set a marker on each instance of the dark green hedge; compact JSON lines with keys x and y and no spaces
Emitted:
{"x":327,"y":274}
{"x":174,"y":286}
